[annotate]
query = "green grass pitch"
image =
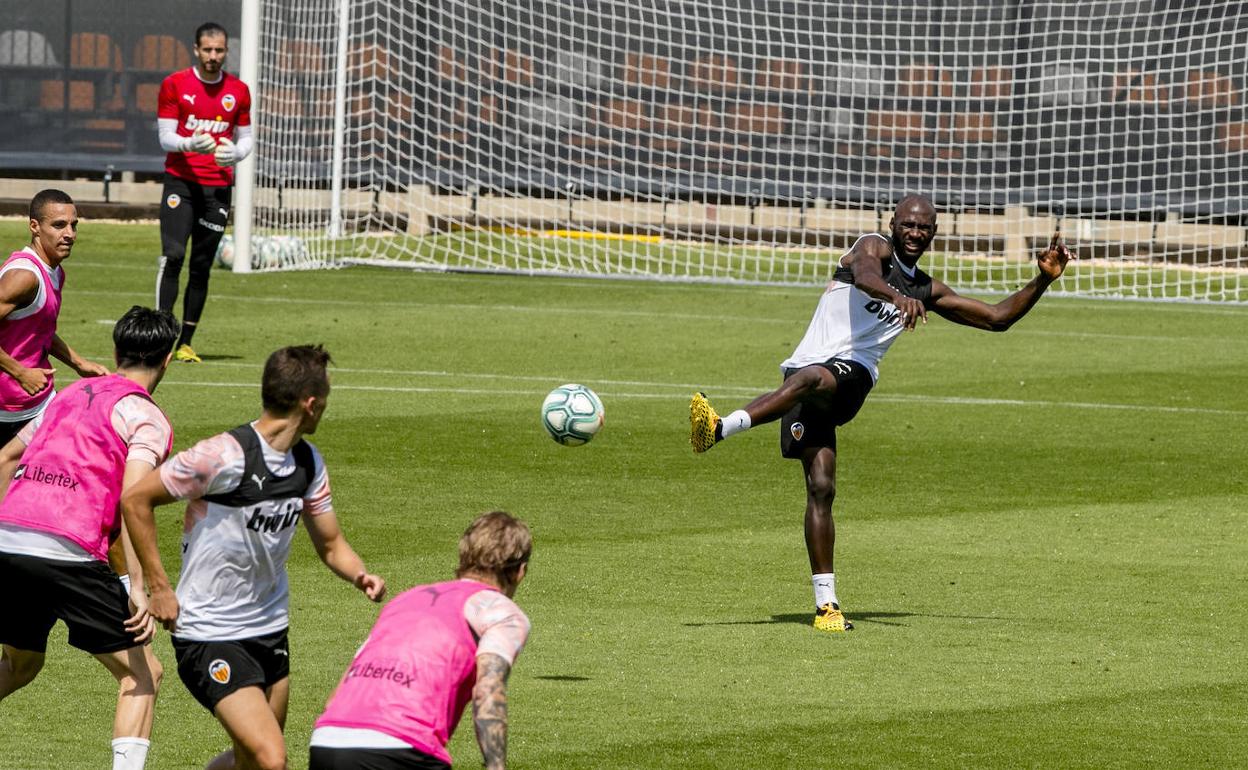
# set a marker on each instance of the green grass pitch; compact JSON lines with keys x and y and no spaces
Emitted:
{"x":1043,"y":536}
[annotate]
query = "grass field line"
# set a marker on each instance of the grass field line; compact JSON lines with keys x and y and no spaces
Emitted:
{"x":476,"y":307}
{"x":1101,"y":303}
{"x":896,"y":398}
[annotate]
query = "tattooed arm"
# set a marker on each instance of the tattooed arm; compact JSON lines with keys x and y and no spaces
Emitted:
{"x":489,"y":709}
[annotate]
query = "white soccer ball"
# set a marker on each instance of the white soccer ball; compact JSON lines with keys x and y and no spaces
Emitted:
{"x":268,"y":252}
{"x":572,"y":414}
{"x":225,"y":252}
{"x":271,"y":251}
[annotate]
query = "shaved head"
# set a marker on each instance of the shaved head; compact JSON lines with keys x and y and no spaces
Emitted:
{"x":917,"y":204}
{"x":913,"y":226}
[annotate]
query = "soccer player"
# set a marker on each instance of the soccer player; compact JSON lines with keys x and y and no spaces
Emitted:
{"x":68,"y":468}
{"x":434,"y":648}
{"x":247,"y":490}
{"x":30,"y":303}
{"x":198,"y":111}
{"x":877,"y":291}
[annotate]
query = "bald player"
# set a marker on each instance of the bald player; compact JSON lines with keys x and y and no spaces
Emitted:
{"x":876,"y":293}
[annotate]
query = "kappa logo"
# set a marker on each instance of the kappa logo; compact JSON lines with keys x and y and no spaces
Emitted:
{"x":228,"y":102}
{"x":173,"y":200}
{"x":219,"y":670}
{"x":797,"y":430}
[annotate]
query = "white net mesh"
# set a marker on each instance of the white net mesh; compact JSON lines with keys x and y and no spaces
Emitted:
{"x":739,"y":141}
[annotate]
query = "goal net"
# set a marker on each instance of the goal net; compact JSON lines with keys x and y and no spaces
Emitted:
{"x":751,"y":141}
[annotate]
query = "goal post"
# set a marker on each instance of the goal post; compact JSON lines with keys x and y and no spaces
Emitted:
{"x":748,"y":142}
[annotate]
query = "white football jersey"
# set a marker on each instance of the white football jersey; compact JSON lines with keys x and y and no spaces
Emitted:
{"x":848,"y":323}
{"x":246,"y":505}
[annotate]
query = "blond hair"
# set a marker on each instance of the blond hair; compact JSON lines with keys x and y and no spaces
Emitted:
{"x":495,"y":544}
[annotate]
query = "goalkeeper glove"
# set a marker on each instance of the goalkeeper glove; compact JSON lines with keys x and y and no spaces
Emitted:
{"x":201,"y":141}
{"x":225,"y":154}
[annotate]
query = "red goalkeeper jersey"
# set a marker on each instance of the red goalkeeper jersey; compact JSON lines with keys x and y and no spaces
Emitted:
{"x":216,"y":108}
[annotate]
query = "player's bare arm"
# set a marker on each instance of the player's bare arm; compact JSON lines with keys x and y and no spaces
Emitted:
{"x":138,"y":510}
{"x":340,"y":557}
{"x":866,"y":260}
{"x":1001,"y":316}
{"x":61,"y":351}
{"x":10,"y":455}
{"x":19,"y":288}
{"x":141,"y":623}
{"x":489,"y":709}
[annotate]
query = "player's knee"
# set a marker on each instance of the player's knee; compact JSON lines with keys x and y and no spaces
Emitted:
{"x":171,"y":260}
{"x":270,"y":757}
{"x":23,"y":669}
{"x":198,"y":276}
{"x":821,"y":490}
{"x":808,"y":382}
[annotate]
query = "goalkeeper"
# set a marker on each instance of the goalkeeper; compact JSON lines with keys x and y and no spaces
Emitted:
{"x":204,"y":119}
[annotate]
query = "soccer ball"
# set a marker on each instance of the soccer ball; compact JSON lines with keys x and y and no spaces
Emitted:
{"x":268,"y":252}
{"x":572,"y":414}
{"x":225,"y":252}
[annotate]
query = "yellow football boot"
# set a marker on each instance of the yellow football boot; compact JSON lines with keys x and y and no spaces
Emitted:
{"x":829,"y":618}
{"x":702,"y":422}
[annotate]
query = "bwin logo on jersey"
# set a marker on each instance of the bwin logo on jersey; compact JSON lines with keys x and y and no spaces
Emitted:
{"x":259,"y":521}
{"x":797,"y":430}
{"x":882,"y":312}
{"x":217,"y":126}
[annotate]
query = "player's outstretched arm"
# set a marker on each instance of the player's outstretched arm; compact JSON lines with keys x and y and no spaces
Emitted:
{"x":138,"y":509}
{"x":340,"y":557}
{"x":489,"y":709}
{"x":1001,"y":316}
{"x":866,"y":260}
{"x":61,"y":351}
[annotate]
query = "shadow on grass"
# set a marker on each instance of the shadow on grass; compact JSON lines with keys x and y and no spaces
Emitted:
{"x":219,"y":357}
{"x":805,"y":618}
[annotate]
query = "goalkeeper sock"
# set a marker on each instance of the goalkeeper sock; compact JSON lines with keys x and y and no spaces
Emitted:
{"x":825,"y":588}
{"x":735,"y":422}
{"x":188,"y":331}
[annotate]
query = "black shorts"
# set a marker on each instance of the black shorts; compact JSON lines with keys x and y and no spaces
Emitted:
{"x":87,"y":595}
{"x":812,"y":423}
{"x":10,"y":429}
{"x":324,"y":758}
{"x":189,"y":208}
{"x":213,"y":670}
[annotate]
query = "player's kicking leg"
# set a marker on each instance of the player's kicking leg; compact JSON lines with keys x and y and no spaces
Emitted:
{"x":819,"y":469}
{"x":706,"y":428}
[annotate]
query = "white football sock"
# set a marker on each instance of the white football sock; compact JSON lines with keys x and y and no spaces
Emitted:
{"x":825,"y":588}
{"x":130,"y":753}
{"x":735,"y":423}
